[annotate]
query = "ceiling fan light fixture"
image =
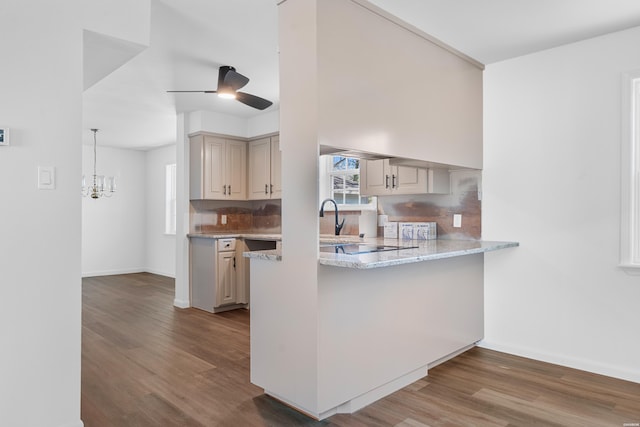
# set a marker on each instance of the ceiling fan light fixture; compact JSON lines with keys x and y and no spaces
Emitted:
{"x":229,"y":81}
{"x":227,"y":94}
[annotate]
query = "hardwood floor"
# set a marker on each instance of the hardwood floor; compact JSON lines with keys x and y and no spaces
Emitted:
{"x":146,"y":363}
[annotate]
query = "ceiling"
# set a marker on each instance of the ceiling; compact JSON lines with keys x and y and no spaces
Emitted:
{"x":190,"y":39}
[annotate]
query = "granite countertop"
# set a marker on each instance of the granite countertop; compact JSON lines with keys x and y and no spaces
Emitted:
{"x":237,"y":235}
{"x":426,"y":250}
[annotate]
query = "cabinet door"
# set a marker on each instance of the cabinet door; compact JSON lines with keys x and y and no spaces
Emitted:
{"x":276,"y":168}
{"x":214,"y":168}
{"x":226,"y":286}
{"x":259,"y":169}
{"x":236,"y":170}
{"x":375,"y":177}
{"x":409,"y":180}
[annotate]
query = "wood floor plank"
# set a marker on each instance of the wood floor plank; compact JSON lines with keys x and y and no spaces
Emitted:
{"x":146,"y":363}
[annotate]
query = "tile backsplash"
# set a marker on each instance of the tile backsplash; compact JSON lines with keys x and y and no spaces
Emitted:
{"x":264,"y":216}
{"x":438,"y":208}
{"x":260,"y":216}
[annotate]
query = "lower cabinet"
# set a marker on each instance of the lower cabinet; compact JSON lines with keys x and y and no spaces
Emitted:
{"x":217,"y":276}
{"x":226,"y":285}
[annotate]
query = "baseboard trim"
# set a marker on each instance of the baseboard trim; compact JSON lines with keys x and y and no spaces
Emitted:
{"x":378,"y":393}
{"x":569,"y":362}
{"x":160,"y":273}
{"x":127,"y":271}
{"x":113,"y":272}
{"x":181,"y":303}
{"x":79,"y":423}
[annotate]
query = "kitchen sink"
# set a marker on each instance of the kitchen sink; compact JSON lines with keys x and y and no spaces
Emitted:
{"x":360,"y":248}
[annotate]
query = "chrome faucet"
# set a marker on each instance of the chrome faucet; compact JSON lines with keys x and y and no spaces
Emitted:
{"x":338,"y":225}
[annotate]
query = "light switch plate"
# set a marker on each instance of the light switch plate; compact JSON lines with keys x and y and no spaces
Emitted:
{"x":4,"y":136}
{"x":224,"y":220}
{"x":46,"y":177}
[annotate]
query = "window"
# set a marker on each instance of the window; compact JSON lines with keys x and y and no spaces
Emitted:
{"x":630,"y":170}
{"x":345,"y":180}
{"x":340,"y":180}
{"x":170,"y":199}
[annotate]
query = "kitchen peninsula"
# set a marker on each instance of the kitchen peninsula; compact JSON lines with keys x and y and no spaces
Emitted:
{"x":408,"y":251}
{"x":384,"y":318}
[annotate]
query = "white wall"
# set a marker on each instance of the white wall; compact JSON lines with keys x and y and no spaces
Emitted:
{"x":552,"y":182}
{"x":160,"y":248}
{"x":225,"y":124}
{"x":41,"y":86}
{"x":216,"y":122}
{"x":384,"y":89}
{"x":114,"y":229}
{"x":263,"y":124}
{"x":125,"y":233}
{"x":284,"y":354}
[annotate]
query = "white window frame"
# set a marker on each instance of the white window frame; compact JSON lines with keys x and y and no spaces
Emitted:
{"x":326,"y":170}
{"x":170,"y":199}
{"x":630,"y":174}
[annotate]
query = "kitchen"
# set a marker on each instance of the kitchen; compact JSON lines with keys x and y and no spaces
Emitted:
{"x":576,"y":157}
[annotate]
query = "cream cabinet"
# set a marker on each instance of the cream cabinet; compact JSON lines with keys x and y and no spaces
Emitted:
{"x":265,"y":169}
{"x":226,"y":292}
{"x":379,"y":178}
{"x":218,"y":168}
{"x":218,"y":274}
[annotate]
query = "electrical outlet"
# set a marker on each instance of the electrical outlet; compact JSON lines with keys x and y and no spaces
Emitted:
{"x":223,"y":220}
{"x":457,"y":220}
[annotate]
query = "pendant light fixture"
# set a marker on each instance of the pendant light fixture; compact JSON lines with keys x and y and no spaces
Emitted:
{"x":100,"y":185}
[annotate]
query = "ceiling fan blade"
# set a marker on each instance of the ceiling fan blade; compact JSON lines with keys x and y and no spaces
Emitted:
{"x":191,"y":91}
{"x":229,"y":78}
{"x":253,"y":101}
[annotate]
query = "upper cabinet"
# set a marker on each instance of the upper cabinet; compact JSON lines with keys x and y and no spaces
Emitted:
{"x":218,"y":168}
{"x":265,"y":169}
{"x":381,"y":178}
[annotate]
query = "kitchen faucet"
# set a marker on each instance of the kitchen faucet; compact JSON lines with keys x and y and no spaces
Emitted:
{"x":338,"y":225}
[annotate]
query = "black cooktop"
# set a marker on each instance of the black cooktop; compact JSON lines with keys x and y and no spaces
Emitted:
{"x":360,"y":248}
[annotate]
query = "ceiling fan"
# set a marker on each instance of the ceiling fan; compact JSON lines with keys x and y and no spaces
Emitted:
{"x":229,"y":81}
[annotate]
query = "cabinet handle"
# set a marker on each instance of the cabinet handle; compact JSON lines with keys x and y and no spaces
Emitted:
{"x":266,"y":189}
{"x":393,"y":181}
{"x":224,"y":190}
{"x":271,"y":188}
{"x":234,"y":262}
{"x":229,"y":189}
{"x":386,"y":181}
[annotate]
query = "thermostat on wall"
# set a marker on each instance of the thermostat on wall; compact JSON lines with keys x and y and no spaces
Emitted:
{"x":4,"y":136}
